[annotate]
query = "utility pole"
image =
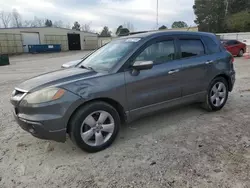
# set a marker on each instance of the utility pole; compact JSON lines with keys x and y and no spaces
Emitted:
{"x":227,"y":3}
{"x":157,"y":15}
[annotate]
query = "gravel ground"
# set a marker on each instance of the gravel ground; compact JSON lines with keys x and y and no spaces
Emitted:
{"x":182,"y":147}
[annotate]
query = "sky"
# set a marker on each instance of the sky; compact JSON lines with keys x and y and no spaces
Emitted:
{"x":112,"y":13}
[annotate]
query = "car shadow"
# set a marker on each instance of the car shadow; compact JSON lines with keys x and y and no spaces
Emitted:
{"x":143,"y":126}
{"x":158,"y":120}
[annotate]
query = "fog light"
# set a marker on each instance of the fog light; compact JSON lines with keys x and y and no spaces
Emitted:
{"x":31,"y":130}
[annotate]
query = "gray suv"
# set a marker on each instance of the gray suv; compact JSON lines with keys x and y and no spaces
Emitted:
{"x":126,"y":79}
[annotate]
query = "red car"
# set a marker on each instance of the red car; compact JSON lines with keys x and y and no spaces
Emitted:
{"x":235,"y":47}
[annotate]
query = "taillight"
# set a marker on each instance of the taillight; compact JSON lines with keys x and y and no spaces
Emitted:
{"x":232,"y":60}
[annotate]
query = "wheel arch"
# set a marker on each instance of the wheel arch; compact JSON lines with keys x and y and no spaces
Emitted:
{"x":119,"y":108}
{"x":227,"y":78}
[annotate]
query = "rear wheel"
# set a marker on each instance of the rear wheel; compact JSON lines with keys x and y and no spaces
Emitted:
{"x":241,"y":53}
{"x":95,"y":126}
{"x":217,"y":94}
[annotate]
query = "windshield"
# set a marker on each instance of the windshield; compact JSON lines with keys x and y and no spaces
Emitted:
{"x":110,"y":54}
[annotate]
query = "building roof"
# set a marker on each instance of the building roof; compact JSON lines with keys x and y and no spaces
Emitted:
{"x":47,"y":28}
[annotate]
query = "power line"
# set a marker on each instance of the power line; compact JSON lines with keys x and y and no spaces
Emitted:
{"x":157,"y":14}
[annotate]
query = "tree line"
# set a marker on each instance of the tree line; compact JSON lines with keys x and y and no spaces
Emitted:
{"x":211,"y":16}
{"x":14,"y":19}
{"x":176,"y":24}
{"x":220,"y":16}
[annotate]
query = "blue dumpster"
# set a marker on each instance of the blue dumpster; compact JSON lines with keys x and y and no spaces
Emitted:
{"x":43,"y":48}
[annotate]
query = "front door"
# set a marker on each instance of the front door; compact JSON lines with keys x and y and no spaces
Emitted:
{"x":155,"y":86}
{"x":194,"y":65}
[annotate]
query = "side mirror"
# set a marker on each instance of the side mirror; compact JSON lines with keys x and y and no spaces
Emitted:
{"x":143,"y":65}
{"x":71,"y":63}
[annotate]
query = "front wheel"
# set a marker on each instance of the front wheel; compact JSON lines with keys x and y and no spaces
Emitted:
{"x":217,"y":94}
{"x":94,"y":126}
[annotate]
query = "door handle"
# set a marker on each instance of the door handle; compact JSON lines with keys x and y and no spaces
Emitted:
{"x":173,"y":71}
{"x":209,"y":62}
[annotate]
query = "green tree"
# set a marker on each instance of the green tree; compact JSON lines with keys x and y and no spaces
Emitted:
{"x":123,"y":32}
{"x":162,"y":27}
{"x":118,"y":29}
{"x":105,"y":32}
{"x":236,"y":6}
{"x":212,"y":15}
{"x":238,"y":22}
{"x":179,"y":24}
{"x":16,"y":18}
{"x":48,"y":23}
{"x":76,"y":26}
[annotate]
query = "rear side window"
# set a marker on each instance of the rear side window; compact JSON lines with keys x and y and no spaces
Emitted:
{"x":236,"y":42}
{"x":191,"y":47}
{"x":230,"y":42}
{"x":212,"y":47}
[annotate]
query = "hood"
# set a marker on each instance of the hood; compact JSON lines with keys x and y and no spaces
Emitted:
{"x":57,"y":78}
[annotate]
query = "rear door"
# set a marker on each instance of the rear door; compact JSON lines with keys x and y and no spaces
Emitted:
{"x":214,"y":57}
{"x":194,"y":68}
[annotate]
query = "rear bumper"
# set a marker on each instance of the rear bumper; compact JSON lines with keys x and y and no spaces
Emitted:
{"x":232,"y":77}
{"x":37,"y":129}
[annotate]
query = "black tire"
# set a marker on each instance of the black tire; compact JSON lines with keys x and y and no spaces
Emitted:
{"x":78,"y":118}
{"x":241,"y":53}
{"x":208,"y":104}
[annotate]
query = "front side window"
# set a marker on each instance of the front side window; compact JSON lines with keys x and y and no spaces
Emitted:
{"x":191,"y":47}
{"x":158,"y":52}
{"x":109,"y":55}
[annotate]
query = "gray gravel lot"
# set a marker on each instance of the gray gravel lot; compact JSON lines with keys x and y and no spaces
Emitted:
{"x":182,"y":147}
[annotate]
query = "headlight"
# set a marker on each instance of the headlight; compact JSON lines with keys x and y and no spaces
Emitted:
{"x":44,"y":95}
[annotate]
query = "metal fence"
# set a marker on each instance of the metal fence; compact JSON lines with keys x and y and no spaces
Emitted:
{"x":57,"y":39}
{"x":90,"y":42}
{"x":243,"y":37}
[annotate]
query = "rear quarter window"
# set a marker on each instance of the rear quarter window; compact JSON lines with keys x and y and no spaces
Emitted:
{"x":212,"y":46}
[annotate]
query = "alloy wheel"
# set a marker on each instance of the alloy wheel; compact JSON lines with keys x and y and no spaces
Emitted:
{"x":218,"y":94}
{"x":97,"y":128}
{"x":241,"y":53}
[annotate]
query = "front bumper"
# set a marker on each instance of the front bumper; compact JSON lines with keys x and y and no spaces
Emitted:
{"x":46,"y":120}
{"x":37,"y":129}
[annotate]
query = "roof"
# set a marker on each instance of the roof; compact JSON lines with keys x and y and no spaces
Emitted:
{"x":46,"y":28}
{"x":165,"y":32}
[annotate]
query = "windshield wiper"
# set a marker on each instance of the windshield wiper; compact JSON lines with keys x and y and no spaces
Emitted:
{"x":87,"y":67}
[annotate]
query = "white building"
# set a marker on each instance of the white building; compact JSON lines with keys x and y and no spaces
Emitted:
{"x":16,"y":40}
